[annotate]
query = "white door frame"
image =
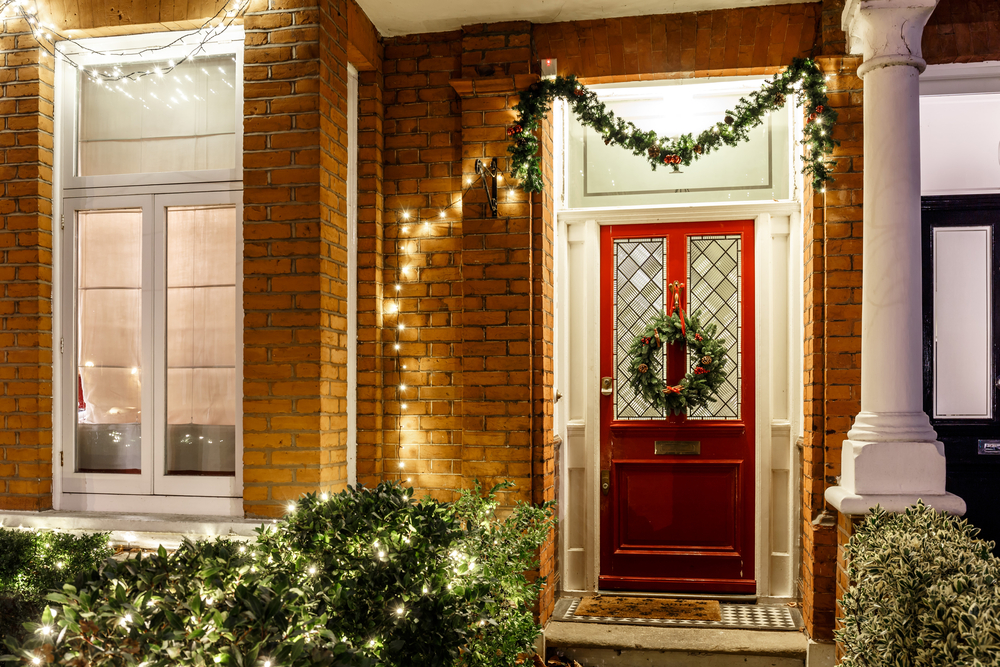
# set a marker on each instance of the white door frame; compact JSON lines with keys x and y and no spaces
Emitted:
{"x":778,"y":381}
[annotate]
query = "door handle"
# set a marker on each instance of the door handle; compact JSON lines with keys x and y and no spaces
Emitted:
{"x":606,"y":383}
{"x":605,"y":482}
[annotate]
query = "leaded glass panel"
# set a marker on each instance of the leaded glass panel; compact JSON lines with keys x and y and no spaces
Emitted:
{"x":639,"y":294}
{"x":714,"y":280}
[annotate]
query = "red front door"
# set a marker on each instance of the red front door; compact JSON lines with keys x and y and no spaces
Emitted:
{"x":677,"y":493}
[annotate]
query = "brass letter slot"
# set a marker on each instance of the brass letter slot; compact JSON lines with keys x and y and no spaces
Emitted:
{"x":677,"y":447}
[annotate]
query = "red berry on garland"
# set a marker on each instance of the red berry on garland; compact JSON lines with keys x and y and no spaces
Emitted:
{"x":819,"y":108}
{"x":730,"y":120}
{"x":698,"y":337}
{"x":812,"y":116}
{"x":514,"y":129}
{"x":578,"y":92}
{"x":700,"y":371}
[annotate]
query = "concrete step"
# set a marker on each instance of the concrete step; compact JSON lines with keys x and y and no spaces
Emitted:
{"x":617,"y":645}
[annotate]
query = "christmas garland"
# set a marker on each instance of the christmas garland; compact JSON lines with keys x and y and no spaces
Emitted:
{"x":697,"y":388}
{"x":802,"y":77}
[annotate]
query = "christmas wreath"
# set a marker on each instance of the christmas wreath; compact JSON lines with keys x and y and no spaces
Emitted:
{"x":802,"y":82}
{"x":706,"y":352}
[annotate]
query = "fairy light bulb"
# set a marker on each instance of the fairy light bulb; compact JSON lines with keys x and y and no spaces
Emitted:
{"x":396,"y":346}
{"x":291,"y":507}
{"x":324,"y":497}
{"x":399,"y":611}
{"x":398,"y":287}
{"x":403,"y":406}
{"x":442,"y":215}
{"x":401,"y":326}
{"x":312,"y":570}
{"x":402,"y":387}
{"x":406,"y":215}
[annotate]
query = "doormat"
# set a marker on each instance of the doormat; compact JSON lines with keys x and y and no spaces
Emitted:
{"x":741,"y":616}
{"x":662,"y":608}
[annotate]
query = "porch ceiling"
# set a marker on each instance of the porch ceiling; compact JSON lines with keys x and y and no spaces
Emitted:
{"x":405,"y":17}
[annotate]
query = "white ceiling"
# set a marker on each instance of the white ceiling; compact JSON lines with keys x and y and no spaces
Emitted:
{"x":406,"y":17}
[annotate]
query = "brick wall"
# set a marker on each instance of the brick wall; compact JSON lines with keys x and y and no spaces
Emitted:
{"x":26,"y":117}
{"x":720,"y":43}
{"x":963,"y":31}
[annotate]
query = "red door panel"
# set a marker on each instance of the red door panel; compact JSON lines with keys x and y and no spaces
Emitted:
{"x":678,"y":522}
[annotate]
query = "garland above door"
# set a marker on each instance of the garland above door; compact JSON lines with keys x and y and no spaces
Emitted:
{"x":802,"y":78}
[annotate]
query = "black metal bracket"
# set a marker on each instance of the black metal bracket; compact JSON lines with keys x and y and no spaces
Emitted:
{"x":490,"y":173}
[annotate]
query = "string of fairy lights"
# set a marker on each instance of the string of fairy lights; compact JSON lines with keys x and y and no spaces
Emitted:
{"x":191,"y":44}
{"x":409,"y":228}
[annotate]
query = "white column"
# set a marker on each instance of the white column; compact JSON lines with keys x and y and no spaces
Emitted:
{"x":892,"y":456}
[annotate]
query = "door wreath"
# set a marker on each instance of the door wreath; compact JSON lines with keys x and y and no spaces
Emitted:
{"x":706,"y":351}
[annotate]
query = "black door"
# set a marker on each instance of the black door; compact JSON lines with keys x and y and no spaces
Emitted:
{"x":961,"y":385}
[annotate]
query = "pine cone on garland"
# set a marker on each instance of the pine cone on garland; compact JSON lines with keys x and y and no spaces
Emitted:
{"x":706,"y":360}
{"x":730,"y":120}
{"x":698,"y":149}
{"x":642,"y":368}
{"x":780,"y":99}
{"x":607,"y":140}
{"x":653,"y":152}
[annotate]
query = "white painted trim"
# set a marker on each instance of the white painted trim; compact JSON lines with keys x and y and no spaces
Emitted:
{"x":352,"y":274}
{"x":770,"y":219}
{"x":679,"y":213}
{"x":961,"y":79}
{"x":96,"y":502}
{"x":762,"y":404}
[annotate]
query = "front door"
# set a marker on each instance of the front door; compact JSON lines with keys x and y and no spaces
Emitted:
{"x":677,"y":492}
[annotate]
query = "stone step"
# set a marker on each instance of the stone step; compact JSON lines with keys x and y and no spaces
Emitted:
{"x":618,"y":645}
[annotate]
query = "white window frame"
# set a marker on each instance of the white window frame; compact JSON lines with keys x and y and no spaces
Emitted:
{"x":151,"y":491}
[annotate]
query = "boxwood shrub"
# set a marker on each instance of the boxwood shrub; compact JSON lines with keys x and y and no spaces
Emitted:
{"x":924,"y":592}
{"x":366,"y":577}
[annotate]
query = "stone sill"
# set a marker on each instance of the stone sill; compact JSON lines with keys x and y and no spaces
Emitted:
{"x":146,"y":531}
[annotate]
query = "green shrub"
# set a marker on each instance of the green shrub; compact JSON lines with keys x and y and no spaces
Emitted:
{"x":32,"y":563}
{"x":925,"y":593}
{"x":367,"y":577}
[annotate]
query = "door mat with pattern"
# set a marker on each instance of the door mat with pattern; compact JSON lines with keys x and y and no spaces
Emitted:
{"x":661,"y":608}
{"x":743,"y":616}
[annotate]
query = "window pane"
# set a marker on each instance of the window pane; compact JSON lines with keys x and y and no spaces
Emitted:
{"x":201,"y":340}
{"x":109,"y":375}
{"x":640,"y":294}
{"x":184,"y":120}
{"x":963,"y":339}
{"x":714,"y":277}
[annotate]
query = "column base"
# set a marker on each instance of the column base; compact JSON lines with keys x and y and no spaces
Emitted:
{"x":905,"y":468}
{"x":854,"y":504}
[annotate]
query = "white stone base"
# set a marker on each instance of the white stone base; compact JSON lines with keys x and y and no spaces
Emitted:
{"x":854,"y":504}
{"x":905,"y":468}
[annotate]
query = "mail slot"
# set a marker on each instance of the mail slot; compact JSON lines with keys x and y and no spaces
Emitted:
{"x":677,"y":447}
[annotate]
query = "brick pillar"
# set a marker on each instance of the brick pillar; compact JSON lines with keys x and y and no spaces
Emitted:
{"x":26,"y":270}
{"x":294,"y":261}
{"x":846,"y":527}
{"x":832,"y":341}
{"x":497,"y":320}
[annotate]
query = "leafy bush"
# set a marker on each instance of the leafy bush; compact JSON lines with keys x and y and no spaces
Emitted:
{"x":367,"y":577}
{"x":34,"y":562}
{"x":925,"y":593}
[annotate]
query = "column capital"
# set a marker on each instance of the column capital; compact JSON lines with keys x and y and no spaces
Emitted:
{"x":887,"y":32}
